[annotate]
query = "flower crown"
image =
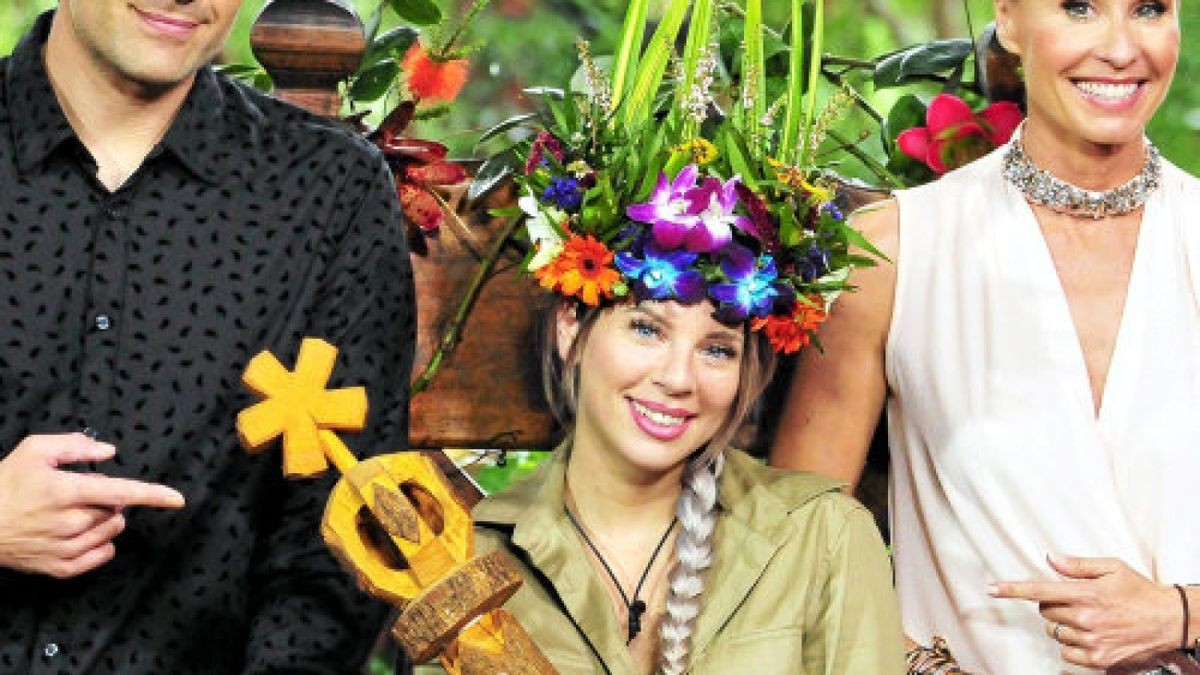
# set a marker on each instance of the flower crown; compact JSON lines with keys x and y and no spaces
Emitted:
{"x":698,"y":194}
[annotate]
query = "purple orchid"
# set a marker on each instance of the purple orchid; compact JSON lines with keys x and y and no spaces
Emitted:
{"x":671,"y":210}
{"x":715,"y":201}
{"x":662,"y":275}
{"x":754,"y":288}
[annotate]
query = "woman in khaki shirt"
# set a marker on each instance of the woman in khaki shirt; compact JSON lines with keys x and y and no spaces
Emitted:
{"x":648,"y":545}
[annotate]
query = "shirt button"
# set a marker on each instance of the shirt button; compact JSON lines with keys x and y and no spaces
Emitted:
{"x":113,"y":213}
{"x":103,"y":322}
{"x":50,"y":650}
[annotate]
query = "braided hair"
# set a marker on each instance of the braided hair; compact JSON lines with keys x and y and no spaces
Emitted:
{"x":696,"y":508}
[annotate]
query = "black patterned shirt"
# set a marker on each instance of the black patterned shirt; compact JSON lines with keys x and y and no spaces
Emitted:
{"x":251,"y":225}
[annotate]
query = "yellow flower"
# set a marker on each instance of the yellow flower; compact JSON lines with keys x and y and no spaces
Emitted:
{"x":795,"y":178}
{"x":701,"y":150}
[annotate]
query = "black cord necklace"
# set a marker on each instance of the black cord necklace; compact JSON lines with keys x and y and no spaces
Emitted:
{"x":637,"y":607}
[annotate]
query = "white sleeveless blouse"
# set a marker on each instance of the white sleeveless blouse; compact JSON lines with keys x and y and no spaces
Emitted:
{"x":997,"y":455}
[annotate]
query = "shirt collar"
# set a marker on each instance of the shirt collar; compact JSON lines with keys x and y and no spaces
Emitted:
{"x":39,"y":126}
{"x":195,"y":136}
{"x":36,"y":122}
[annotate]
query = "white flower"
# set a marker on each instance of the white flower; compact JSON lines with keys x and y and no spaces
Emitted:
{"x":543,"y":231}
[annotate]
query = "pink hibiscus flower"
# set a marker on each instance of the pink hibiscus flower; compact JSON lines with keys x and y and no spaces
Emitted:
{"x":954,"y":135}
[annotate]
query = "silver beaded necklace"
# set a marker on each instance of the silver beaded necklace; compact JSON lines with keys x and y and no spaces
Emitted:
{"x":1040,"y":187}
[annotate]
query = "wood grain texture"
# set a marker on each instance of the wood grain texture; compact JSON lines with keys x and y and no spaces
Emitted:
{"x":432,"y":621}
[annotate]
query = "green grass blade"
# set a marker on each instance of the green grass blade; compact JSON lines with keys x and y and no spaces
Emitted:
{"x":754,"y":66}
{"x":626,"y":58}
{"x":699,"y":31}
{"x":653,"y":64}
{"x":789,"y":139}
{"x":814,"y":72}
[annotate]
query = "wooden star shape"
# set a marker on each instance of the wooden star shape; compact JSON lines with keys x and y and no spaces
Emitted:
{"x":297,"y":406}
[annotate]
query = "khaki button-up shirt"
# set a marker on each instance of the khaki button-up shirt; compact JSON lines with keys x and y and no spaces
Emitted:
{"x":800,"y":583}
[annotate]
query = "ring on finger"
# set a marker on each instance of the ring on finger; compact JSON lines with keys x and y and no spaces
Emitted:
{"x":1055,"y":632}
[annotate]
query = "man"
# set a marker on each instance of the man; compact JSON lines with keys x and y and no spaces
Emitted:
{"x":160,"y":225}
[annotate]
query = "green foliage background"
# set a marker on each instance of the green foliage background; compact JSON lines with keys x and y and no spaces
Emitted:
{"x":531,"y":42}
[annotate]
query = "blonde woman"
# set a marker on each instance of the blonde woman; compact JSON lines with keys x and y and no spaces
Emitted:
{"x":1036,"y":347}
{"x":649,"y":545}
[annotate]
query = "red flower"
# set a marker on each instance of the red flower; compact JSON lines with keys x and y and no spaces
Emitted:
{"x":543,"y":143}
{"x":431,"y":80}
{"x":954,"y":135}
{"x":418,"y":167}
{"x":788,"y":334}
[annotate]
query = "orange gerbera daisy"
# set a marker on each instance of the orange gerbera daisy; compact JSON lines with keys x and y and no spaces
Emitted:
{"x":433,"y":81}
{"x":788,"y":334}
{"x":583,"y":269}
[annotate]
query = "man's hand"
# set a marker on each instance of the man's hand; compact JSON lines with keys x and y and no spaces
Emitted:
{"x":1103,"y":613}
{"x":62,"y":523}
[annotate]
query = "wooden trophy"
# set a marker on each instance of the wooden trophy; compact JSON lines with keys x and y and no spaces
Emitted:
{"x":393,"y":520}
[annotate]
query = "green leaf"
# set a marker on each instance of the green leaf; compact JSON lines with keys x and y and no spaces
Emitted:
{"x":814,"y":75}
{"x":906,"y":113}
{"x":559,"y":110}
{"x":699,"y":28}
{"x":506,"y":125}
{"x":252,"y":75}
{"x":394,"y":43}
{"x":649,"y":75}
{"x":505,"y":212}
{"x":738,"y":156}
{"x":792,"y":115}
{"x":374,"y":82}
{"x":755,"y":64}
{"x":921,"y":62}
{"x":626,"y":58}
{"x":374,"y":20}
{"x":855,"y":237}
{"x":789,"y":229}
{"x":238,"y":70}
{"x":420,"y":12}
{"x":490,"y":174}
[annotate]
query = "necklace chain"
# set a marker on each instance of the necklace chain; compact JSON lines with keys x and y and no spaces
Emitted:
{"x":636,"y":607}
{"x":1041,"y":187}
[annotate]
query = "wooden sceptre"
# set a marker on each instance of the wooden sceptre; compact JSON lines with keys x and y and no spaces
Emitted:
{"x":393,"y":521}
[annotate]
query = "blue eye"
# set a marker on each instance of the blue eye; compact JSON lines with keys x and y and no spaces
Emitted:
{"x":1150,"y":10}
{"x":723,"y":352}
{"x":643,"y":328}
{"x":1076,"y":9}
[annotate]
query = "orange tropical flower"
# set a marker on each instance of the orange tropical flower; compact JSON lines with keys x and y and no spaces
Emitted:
{"x":583,"y":269}
{"x":789,"y":334}
{"x":433,"y":81}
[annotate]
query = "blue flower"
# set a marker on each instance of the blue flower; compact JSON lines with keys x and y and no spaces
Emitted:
{"x":565,"y":193}
{"x":814,"y":263}
{"x":662,"y":275}
{"x":832,"y":209}
{"x":754,"y":288}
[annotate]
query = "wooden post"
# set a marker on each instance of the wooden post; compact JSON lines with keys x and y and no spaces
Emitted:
{"x":308,"y":46}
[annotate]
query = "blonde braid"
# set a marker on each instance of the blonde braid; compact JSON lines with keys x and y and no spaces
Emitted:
{"x":697,"y":512}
